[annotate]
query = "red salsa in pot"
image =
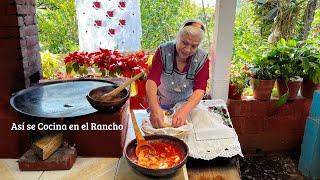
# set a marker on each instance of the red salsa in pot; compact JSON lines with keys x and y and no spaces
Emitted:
{"x":167,"y":156}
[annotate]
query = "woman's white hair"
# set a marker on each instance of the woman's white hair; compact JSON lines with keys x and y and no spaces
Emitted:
{"x":192,"y":27}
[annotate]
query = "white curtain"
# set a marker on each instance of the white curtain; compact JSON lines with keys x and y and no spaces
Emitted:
{"x":109,"y":24}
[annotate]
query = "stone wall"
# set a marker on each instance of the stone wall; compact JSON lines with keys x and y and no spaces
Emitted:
{"x":29,"y":44}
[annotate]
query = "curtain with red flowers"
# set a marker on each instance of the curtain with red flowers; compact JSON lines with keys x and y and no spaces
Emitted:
{"x":109,"y":24}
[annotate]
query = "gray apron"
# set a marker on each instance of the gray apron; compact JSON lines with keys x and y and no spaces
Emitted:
{"x":176,"y":86}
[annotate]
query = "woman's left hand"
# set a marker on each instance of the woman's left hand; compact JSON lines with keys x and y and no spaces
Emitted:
{"x":179,"y":118}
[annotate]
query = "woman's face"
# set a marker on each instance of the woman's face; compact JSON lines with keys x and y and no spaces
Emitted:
{"x":187,"y":45}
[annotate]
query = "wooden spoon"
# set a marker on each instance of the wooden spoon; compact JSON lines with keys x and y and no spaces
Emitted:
{"x":110,"y":95}
{"x":141,"y":142}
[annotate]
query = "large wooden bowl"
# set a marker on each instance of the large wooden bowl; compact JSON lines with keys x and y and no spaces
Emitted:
{"x":107,"y":106}
{"x":130,"y":155}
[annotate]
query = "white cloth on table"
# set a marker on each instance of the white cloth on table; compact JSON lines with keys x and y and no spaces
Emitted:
{"x":209,"y":126}
{"x":209,"y":132}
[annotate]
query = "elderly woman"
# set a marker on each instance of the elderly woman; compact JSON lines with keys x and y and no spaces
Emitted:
{"x":179,"y":73}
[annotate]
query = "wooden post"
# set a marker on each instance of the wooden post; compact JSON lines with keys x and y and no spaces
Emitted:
{"x":222,"y":48}
{"x":47,"y":145}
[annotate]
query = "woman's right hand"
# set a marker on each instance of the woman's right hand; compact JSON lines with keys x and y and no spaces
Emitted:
{"x":157,"y":118}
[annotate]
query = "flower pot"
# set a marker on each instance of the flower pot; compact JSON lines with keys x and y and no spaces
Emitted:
{"x":234,"y":92}
{"x":292,"y":86}
{"x":308,"y":87}
{"x":262,"y":88}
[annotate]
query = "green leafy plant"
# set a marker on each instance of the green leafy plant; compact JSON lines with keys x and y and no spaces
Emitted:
{"x":161,"y":20}
{"x":247,"y":39}
{"x":315,"y":29}
{"x":51,"y":65}
{"x":264,"y":72}
{"x":309,"y":55}
{"x":238,"y":77}
{"x":264,"y":12}
{"x":284,"y":55}
{"x":286,"y":23}
{"x":58,"y":30}
{"x":264,"y":68}
{"x":278,"y":18}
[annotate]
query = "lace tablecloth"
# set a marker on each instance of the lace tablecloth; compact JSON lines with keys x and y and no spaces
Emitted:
{"x":210,"y":131}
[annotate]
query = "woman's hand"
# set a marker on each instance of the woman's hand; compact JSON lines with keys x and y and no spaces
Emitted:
{"x":157,"y":118}
{"x":179,"y":118}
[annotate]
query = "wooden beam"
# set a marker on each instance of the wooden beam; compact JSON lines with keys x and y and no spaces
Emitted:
{"x":47,"y":145}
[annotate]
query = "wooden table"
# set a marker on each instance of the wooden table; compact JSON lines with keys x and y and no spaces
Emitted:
{"x":219,"y":168}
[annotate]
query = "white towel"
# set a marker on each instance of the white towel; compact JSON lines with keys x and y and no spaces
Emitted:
{"x":209,"y":126}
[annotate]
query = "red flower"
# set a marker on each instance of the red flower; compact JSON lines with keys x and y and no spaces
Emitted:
{"x":110,"y":61}
{"x":112,"y":67}
{"x":81,"y":58}
{"x":127,"y":73}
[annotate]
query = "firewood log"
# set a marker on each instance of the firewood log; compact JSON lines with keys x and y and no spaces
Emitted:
{"x":47,"y":145}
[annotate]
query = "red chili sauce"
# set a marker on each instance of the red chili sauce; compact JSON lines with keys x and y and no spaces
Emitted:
{"x":167,"y":156}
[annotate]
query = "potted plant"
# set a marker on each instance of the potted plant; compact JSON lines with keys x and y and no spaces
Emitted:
{"x":309,"y":55}
{"x":285,"y":55}
{"x":263,"y":72}
{"x":237,"y":82}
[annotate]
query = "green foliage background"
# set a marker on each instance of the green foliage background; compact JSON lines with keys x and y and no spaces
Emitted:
{"x":315,"y":30}
{"x":161,"y":20}
{"x":58,"y":30}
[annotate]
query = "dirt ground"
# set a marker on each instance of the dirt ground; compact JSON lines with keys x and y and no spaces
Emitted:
{"x":275,"y":166}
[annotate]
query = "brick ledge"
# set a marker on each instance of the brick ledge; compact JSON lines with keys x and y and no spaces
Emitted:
{"x":261,"y":126}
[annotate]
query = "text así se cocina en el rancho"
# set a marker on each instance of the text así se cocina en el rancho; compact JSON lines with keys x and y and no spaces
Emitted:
{"x":73,"y":127}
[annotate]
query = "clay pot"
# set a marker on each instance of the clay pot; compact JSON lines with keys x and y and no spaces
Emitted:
{"x":262,"y":89}
{"x":293,"y":87}
{"x":110,"y":106}
{"x":130,"y":155}
{"x":234,"y":92}
{"x":308,"y":87}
